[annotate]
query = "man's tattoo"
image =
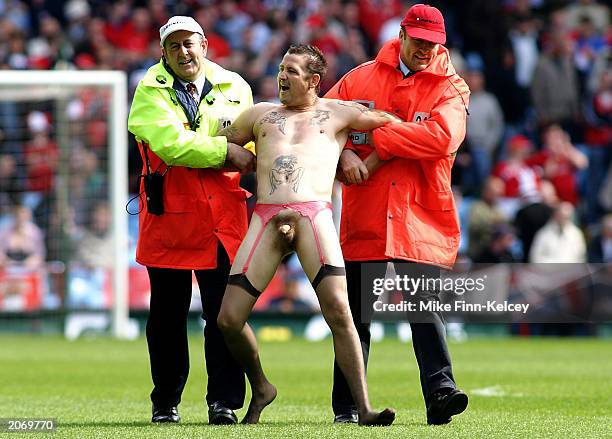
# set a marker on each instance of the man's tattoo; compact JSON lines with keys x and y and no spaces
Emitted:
{"x":231,"y":133}
{"x":275,"y":118}
{"x":319,"y":117}
{"x":285,"y":171}
{"x":355,"y":105}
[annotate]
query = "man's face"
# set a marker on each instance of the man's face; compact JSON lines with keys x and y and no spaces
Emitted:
{"x":415,"y":53}
{"x":294,"y":80}
{"x":185,"y":52}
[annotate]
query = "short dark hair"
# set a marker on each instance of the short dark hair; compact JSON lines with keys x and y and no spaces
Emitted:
{"x":316,"y":61}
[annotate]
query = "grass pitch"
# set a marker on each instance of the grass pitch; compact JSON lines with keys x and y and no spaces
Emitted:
{"x":527,"y":388}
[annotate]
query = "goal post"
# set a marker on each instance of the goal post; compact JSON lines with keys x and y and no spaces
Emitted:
{"x":35,"y":86}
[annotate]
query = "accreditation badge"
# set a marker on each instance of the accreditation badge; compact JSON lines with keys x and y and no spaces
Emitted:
{"x":224,"y":122}
{"x":420,"y":116}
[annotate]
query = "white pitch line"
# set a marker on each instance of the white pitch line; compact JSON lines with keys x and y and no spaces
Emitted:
{"x":493,"y":391}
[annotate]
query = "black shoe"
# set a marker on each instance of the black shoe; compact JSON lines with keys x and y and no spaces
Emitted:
{"x":346,"y":418}
{"x":444,"y":404}
{"x":166,"y":414}
{"x":218,"y":414}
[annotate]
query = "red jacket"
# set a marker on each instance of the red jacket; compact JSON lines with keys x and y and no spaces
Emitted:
{"x":406,"y":209}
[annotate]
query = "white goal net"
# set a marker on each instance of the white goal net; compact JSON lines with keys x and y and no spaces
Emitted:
{"x":63,"y":191}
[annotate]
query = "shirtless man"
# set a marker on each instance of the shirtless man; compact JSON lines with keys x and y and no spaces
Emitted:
{"x":298,"y":145}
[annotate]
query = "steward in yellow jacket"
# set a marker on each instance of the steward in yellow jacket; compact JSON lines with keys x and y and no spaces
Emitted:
{"x":202,"y":204}
{"x":193,"y":217}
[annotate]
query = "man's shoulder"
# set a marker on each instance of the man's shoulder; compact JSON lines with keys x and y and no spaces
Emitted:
{"x":263,"y":107}
{"x":338,"y":105}
{"x":258,"y":110}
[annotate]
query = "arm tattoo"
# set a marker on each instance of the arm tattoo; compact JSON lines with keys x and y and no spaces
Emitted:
{"x":275,"y":118}
{"x":231,"y":133}
{"x":319,"y":117}
{"x":355,"y":106}
{"x":285,"y":171}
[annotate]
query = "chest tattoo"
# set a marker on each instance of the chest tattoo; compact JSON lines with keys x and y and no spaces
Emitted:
{"x":275,"y":118}
{"x":354,"y":105}
{"x":319,"y":117}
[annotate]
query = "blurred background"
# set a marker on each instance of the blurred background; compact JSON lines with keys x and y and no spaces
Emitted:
{"x":536,"y":158}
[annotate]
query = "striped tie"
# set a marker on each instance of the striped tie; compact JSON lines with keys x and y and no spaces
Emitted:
{"x":193,"y":91}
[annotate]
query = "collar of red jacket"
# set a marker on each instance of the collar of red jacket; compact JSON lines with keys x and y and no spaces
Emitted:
{"x":441,"y":64}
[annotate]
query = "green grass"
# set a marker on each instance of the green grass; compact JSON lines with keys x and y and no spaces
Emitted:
{"x":533,"y":388}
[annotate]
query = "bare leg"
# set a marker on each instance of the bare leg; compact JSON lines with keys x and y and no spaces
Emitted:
{"x":241,"y":341}
{"x":335,"y":309}
{"x":333,"y":298}
{"x":236,"y":308}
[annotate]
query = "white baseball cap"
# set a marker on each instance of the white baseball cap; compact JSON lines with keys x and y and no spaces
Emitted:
{"x":179,"y":22}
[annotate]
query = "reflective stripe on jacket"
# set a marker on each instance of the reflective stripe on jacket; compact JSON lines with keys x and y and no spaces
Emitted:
{"x":203,"y":205}
{"x":406,"y":209}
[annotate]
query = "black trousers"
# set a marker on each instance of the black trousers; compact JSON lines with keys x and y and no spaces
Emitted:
{"x":428,"y":339}
{"x":167,"y":336}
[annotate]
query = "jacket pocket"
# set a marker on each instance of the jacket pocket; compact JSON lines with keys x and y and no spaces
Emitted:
{"x":433,"y":218}
{"x":435,"y":200}
{"x":364,"y":213}
{"x":180,"y":226}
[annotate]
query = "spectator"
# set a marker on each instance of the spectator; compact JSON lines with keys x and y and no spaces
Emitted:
{"x":267,"y":90}
{"x":290,"y":301}
{"x":16,"y":56}
{"x":559,"y":241}
{"x":589,"y":45}
{"x":520,"y":180}
{"x":78,"y":14}
{"x":11,"y":187}
{"x":218,"y":47}
{"x":21,"y":242}
{"x":555,"y":88}
{"x":485,"y":125}
{"x":500,"y":248}
{"x":600,"y":247}
{"x":87,"y":182}
{"x":598,"y":14}
{"x":232,"y":23}
{"x":373,"y":14}
{"x":41,"y":155}
{"x":484,"y":215}
{"x":598,"y":138}
{"x":534,"y":215}
{"x":524,"y":39}
{"x":483,"y":27}
{"x":513,"y":97}
{"x":319,"y":35}
{"x":601,"y":107}
{"x":95,"y":246}
{"x":558,"y":162}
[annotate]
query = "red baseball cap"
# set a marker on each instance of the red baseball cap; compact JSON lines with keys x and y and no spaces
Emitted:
{"x":519,"y":142}
{"x":426,"y":23}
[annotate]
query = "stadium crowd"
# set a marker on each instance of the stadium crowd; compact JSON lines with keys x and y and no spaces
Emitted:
{"x":533,"y":179}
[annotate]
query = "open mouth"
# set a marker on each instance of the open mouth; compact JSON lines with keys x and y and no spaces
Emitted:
{"x":184,"y":63}
{"x":284,"y":87}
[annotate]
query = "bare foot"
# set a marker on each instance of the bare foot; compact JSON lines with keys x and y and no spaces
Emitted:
{"x":259,"y":401}
{"x":384,"y":418}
